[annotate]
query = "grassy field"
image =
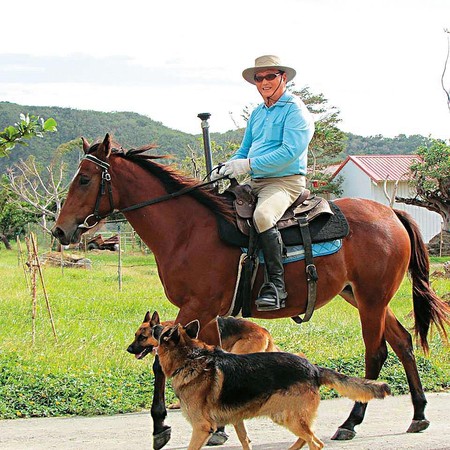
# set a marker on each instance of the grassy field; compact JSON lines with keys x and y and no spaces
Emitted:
{"x":88,"y":370}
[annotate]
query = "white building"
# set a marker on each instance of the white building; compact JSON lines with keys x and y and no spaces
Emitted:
{"x":365,"y":176}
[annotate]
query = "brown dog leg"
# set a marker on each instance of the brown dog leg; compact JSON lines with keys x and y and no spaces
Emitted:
{"x":242,"y":435}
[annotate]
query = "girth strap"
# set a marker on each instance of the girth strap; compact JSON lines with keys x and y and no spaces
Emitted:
{"x":244,"y":293}
{"x":311,"y":272}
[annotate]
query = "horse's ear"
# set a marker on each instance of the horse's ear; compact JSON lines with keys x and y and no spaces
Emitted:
{"x":192,"y":329}
{"x":86,"y":145}
{"x":106,"y":144}
{"x":155,"y":319}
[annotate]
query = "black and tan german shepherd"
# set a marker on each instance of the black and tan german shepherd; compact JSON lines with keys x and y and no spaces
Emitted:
{"x":216,"y":388}
{"x":237,"y":336}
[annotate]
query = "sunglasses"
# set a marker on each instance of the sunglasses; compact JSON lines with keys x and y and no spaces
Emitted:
{"x":269,"y":77}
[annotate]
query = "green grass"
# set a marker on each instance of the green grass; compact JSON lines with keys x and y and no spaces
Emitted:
{"x":88,"y":370}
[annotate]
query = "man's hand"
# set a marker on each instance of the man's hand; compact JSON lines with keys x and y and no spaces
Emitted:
{"x":235,"y":168}
{"x":215,"y":172}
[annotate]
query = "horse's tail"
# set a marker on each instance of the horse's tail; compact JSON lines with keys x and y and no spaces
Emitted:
{"x":428,"y":307}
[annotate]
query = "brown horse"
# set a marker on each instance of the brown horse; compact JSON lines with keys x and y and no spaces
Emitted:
{"x":198,"y":270}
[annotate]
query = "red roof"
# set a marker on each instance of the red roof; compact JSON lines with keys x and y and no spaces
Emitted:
{"x":382,"y":167}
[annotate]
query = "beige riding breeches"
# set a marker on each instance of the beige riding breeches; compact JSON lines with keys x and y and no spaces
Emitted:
{"x":275,"y":195}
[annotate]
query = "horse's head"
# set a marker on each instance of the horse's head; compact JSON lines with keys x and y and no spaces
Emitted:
{"x":90,"y":194}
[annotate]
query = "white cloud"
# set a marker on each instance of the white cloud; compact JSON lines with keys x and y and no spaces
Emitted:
{"x":379,"y":62}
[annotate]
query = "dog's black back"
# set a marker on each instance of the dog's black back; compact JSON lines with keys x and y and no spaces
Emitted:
{"x":257,"y":376}
{"x":230,"y":326}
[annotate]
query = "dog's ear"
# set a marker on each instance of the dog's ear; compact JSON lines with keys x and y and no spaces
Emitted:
{"x":192,"y":329}
{"x":155,"y":319}
{"x":147,"y":317}
{"x":156,"y":331}
{"x":171,"y":334}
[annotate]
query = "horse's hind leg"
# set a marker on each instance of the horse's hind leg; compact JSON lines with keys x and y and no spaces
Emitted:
{"x":373,"y":325}
{"x":161,"y":432}
{"x":401,"y":342}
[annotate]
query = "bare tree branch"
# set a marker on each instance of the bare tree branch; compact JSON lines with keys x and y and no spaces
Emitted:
{"x":390,"y":198}
{"x":41,"y":195}
{"x":447,"y":92}
{"x":416,"y":201}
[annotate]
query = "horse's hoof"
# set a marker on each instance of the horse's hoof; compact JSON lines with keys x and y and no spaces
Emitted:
{"x":217,"y":438}
{"x":342,"y":434}
{"x":418,"y":425}
{"x":162,"y":438}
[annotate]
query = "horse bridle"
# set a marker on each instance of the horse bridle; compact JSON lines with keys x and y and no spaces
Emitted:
{"x":105,"y":185}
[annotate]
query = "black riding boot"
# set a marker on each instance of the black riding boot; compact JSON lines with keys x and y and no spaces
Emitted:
{"x":273,"y":293}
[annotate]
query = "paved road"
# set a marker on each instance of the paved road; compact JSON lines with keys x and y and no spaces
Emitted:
{"x":384,"y":428}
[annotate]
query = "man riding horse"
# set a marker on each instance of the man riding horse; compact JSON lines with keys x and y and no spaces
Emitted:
{"x":274,"y":152}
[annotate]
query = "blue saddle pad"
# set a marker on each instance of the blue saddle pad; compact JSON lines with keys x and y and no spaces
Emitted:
{"x":297,"y":252}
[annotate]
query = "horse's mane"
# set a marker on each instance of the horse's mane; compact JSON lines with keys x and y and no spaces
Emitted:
{"x":174,"y":180}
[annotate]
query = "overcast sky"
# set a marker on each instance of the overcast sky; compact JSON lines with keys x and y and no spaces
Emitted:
{"x":380,"y":62}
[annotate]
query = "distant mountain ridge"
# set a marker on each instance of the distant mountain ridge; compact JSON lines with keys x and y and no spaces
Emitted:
{"x":135,"y":130}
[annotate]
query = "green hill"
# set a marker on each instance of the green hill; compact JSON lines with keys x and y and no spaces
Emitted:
{"x":128,"y":128}
{"x":134,"y":130}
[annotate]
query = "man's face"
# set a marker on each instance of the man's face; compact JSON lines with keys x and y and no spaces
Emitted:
{"x":270,"y":88}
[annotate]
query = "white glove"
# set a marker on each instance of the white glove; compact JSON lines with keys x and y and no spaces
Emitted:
{"x":215,"y":172}
{"x":235,"y":167}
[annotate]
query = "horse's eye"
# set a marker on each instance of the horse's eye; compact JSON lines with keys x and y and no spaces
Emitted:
{"x":84,"y":180}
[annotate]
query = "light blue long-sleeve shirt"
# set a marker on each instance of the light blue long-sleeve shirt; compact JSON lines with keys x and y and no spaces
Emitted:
{"x":276,"y":139}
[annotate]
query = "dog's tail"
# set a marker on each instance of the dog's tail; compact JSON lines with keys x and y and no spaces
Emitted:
{"x":357,"y":389}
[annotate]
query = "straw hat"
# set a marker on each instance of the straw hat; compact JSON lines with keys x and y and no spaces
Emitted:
{"x":267,"y":62}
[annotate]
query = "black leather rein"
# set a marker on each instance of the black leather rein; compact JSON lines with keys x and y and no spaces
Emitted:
{"x":105,"y":185}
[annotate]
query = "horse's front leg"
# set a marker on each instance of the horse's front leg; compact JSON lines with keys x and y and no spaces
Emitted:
{"x":373,"y":326}
{"x":209,"y":332}
{"x":161,"y":432}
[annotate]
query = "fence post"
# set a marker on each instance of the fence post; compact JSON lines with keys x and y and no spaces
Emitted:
{"x":119,"y":268}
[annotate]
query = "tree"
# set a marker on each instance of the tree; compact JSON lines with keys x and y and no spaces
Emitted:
{"x":13,"y":219}
{"x":195,"y":165}
{"x":40,"y":190}
{"x":26,"y":128}
{"x":447,"y":91}
{"x":431,"y":180}
{"x":327,"y":145}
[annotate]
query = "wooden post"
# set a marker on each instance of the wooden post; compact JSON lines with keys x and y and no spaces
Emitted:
{"x":22,"y":262}
{"x":119,"y":267}
{"x":33,"y":291}
{"x":37,"y":268}
{"x":62,"y":260}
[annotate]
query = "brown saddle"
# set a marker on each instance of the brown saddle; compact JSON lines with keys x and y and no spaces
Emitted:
{"x":308,"y":206}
